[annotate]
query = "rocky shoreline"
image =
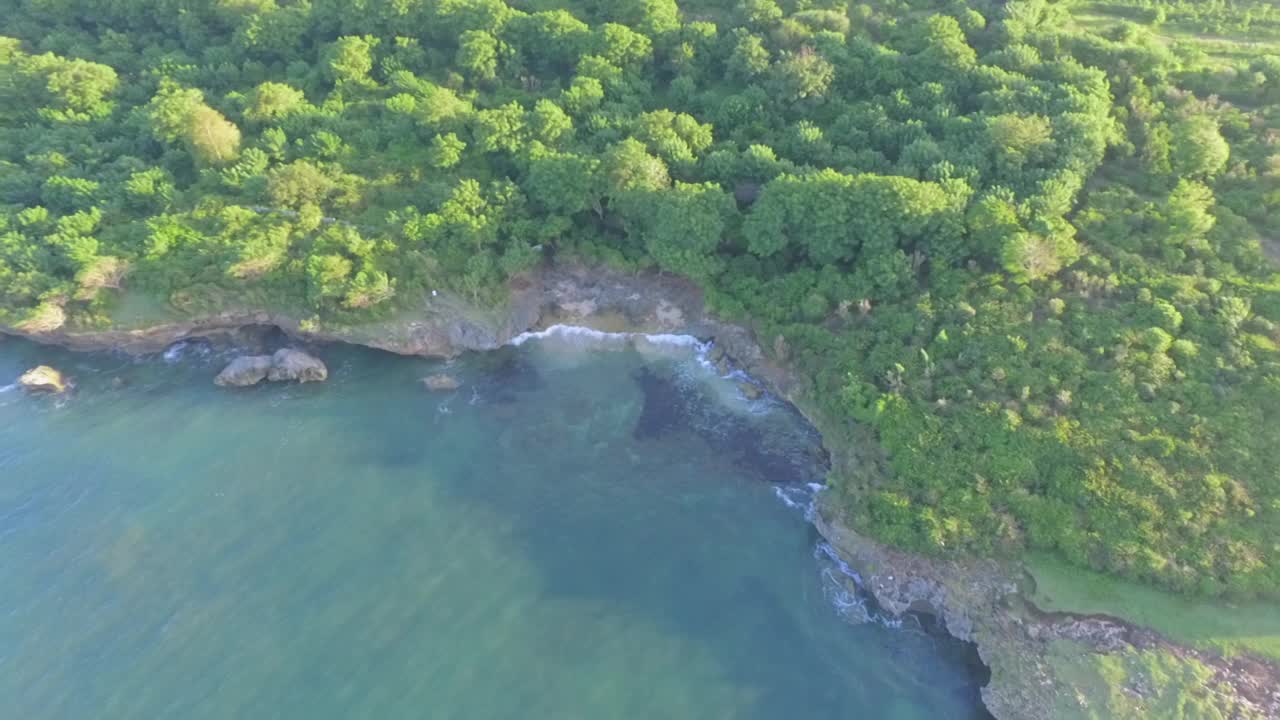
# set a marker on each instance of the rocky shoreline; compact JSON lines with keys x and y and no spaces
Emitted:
{"x":977,"y":600}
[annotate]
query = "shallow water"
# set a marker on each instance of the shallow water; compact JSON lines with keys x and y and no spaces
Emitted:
{"x":572,"y":534}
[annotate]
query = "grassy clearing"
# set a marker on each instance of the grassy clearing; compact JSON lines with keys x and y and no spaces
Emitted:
{"x":1138,"y":684}
{"x":137,"y":309}
{"x":1224,"y":40}
{"x":1229,"y":628}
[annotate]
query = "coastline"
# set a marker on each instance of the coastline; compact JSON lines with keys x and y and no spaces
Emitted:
{"x":982,"y":601}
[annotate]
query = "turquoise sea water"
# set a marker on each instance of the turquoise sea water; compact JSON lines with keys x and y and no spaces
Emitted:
{"x":574,"y":533}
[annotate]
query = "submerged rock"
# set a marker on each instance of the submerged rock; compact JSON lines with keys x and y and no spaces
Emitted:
{"x":43,"y":378}
{"x":441,"y":382}
{"x":757,"y":445}
{"x":244,"y":371}
{"x":289,"y":364}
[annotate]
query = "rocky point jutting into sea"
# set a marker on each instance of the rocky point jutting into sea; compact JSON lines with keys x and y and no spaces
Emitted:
{"x":975,"y":600}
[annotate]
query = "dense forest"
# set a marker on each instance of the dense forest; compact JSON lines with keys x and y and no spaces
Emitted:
{"x":1021,"y":246}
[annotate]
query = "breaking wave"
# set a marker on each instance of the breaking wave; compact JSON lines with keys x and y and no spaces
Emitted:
{"x":842,"y":586}
{"x":587,"y":337}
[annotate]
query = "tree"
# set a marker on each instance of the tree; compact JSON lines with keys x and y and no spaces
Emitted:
{"x":803,"y":74}
{"x":214,"y":139}
{"x":629,"y":166}
{"x":272,"y":101}
{"x":550,"y":41}
{"x":549,"y":123}
{"x":501,"y":129}
{"x":650,"y":17}
{"x":681,"y":227}
{"x":349,"y":59}
{"x":299,"y":183}
{"x":1188,"y":212}
{"x":80,"y":89}
{"x":583,"y":95}
{"x":622,"y":46}
{"x":478,"y":56}
{"x":178,"y":114}
{"x":759,"y":14}
{"x":750,"y":58}
{"x":832,"y":216}
{"x":563,"y":183}
{"x":327,"y":277}
{"x":445,"y":151}
{"x":1198,"y":148}
{"x":67,"y":194}
{"x":1027,"y":256}
{"x":1019,"y":139}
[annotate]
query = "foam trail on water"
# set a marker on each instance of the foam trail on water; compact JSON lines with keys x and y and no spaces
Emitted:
{"x":8,"y":388}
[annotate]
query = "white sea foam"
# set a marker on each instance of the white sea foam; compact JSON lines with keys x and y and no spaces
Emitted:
{"x":181,"y":349}
{"x":578,"y":337}
{"x":173,"y":353}
{"x":9,"y":388}
{"x":842,"y":586}
{"x":590,"y":337}
{"x":799,"y":497}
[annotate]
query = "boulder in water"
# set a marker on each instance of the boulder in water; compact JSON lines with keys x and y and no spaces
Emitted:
{"x":289,"y":364}
{"x":244,"y":371}
{"x":749,"y":390}
{"x":43,"y":378}
{"x":441,"y":382}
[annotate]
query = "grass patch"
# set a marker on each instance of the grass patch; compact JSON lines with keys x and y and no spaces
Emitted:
{"x":1137,"y":684}
{"x":134,"y":309}
{"x":1229,"y":628}
{"x":1225,"y":41}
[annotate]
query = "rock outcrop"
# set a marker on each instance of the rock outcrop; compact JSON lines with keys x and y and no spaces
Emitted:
{"x":244,"y":371}
{"x":288,"y":364}
{"x":43,"y":378}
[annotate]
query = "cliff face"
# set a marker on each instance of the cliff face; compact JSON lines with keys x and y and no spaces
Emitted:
{"x":977,"y":600}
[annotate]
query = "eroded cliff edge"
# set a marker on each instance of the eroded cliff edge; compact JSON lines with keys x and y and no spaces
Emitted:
{"x":980,"y":601}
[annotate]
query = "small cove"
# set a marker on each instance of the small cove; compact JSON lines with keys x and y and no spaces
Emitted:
{"x":572,"y":533}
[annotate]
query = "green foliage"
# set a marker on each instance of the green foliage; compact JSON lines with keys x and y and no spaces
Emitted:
{"x":1019,"y":246}
{"x":445,"y":151}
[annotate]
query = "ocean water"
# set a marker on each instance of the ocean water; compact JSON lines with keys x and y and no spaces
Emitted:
{"x":577,"y":532}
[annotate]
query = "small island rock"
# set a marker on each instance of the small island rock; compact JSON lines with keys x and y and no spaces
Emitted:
{"x":440,"y":382}
{"x":289,"y":364}
{"x":244,"y":371}
{"x":43,"y":378}
{"x":750,"y":391}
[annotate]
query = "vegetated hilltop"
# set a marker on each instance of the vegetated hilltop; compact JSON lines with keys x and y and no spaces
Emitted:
{"x":1018,"y":244}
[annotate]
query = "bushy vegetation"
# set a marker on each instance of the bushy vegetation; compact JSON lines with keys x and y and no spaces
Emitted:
{"x":1025,"y":254}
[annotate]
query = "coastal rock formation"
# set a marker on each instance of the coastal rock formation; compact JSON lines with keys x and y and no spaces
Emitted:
{"x":441,"y":382}
{"x":289,"y":364}
{"x":285,"y":365}
{"x":43,"y":378}
{"x":244,"y":371}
